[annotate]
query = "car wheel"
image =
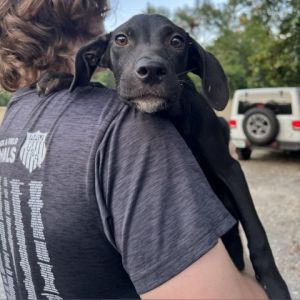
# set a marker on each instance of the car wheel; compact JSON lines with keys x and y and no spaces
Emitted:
{"x":243,"y":153}
{"x":260,"y":126}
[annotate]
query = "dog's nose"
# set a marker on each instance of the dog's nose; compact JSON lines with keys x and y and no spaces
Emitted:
{"x":150,"y":71}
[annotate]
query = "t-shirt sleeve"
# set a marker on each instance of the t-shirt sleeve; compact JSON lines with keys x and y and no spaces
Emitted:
{"x":156,"y":205}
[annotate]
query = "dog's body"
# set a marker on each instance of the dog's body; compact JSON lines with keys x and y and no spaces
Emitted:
{"x":150,"y":57}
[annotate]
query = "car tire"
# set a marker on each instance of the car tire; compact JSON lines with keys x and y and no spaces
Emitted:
{"x":243,"y":153}
{"x":260,"y":126}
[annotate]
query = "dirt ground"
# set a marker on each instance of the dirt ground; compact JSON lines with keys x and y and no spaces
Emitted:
{"x":274,"y":183}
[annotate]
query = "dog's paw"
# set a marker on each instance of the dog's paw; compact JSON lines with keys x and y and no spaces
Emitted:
{"x":52,"y":82}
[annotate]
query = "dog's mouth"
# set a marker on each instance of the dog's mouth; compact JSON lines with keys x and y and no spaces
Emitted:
{"x":149,"y":103}
{"x":149,"y":98}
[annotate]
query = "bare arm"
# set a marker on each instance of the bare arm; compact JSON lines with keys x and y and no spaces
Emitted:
{"x":213,"y":276}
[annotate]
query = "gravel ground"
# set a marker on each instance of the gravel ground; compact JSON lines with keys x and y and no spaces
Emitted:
{"x":274,"y":182}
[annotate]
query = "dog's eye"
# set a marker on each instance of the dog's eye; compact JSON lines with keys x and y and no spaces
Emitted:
{"x":177,"y":41}
{"x":121,"y":40}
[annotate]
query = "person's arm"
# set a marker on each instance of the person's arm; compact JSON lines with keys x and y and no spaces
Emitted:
{"x":213,"y":276}
{"x":160,"y":213}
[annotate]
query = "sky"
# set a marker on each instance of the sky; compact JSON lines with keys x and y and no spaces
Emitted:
{"x":122,"y":10}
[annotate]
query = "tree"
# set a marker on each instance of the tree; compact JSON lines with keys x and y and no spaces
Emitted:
{"x":150,"y":10}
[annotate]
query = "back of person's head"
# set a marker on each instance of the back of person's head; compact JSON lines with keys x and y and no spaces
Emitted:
{"x":38,"y":35}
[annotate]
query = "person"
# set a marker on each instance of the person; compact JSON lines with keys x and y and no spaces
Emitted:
{"x":97,"y":200}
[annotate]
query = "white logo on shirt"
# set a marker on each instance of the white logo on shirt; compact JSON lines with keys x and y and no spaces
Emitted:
{"x":33,"y":151}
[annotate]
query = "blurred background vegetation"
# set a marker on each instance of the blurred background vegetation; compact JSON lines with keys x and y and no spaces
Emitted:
{"x":4,"y":97}
{"x":257,"y":42}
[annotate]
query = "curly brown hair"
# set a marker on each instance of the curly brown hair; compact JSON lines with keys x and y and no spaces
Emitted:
{"x":37,"y":35}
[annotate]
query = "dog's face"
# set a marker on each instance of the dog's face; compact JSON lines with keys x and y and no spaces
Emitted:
{"x":149,"y":56}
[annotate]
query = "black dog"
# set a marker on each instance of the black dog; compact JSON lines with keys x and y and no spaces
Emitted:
{"x":150,"y":58}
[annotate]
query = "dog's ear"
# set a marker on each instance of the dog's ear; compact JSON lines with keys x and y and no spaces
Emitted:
{"x":87,"y":60}
{"x":214,"y":80}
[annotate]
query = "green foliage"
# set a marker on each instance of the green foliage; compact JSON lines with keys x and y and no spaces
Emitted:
{"x":4,"y":98}
{"x":157,"y":10}
{"x":196,"y":81}
{"x":105,"y":77}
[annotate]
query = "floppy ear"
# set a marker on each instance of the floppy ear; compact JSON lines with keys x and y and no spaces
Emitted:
{"x":214,"y":80}
{"x":88,"y":59}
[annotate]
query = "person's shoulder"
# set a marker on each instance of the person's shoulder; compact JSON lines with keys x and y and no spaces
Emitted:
{"x":127,"y":122}
{"x":122,"y":115}
{"x":97,"y":102}
{"x":97,"y":93}
{"x":144,"y":125}
{"x":87,"y":94}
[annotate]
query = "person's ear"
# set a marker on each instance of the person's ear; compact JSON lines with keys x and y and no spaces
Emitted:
{"x":87,"y":60}
{"x":214,"y":80}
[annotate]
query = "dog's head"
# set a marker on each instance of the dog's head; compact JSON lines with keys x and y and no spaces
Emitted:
{"x":150,"y":56}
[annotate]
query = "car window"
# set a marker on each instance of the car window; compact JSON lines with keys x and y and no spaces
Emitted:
{"x":279,"y":102}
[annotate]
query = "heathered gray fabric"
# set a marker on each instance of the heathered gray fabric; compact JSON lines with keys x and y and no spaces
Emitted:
{"x":124,"y":205}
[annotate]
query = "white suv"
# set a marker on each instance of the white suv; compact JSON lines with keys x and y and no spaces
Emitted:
{"x":265,"y":117}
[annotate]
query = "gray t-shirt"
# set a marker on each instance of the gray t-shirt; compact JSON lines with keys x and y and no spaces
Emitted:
{"x":98,"y":200}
